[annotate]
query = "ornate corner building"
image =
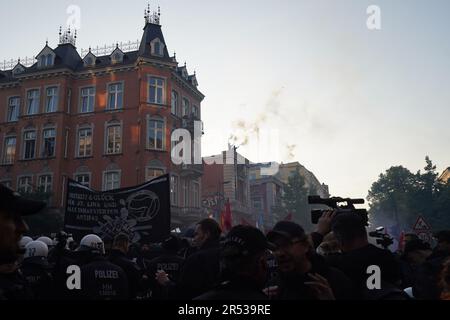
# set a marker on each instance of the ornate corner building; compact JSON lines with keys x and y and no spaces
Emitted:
{"x":104,"y":119}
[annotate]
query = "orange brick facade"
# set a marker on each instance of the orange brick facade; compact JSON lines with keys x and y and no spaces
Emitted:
{"x":134,"y":158}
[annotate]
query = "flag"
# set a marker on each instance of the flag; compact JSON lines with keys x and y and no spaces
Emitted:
{"x":288,"y":217}
{"x":226,"y":219}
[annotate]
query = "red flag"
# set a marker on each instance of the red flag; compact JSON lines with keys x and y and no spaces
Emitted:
{"x":226,"y":219}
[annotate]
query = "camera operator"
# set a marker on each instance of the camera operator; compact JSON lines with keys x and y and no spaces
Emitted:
{"x":357,"y":255}
{"x":304,"y":275}
{"x":12,"y":208}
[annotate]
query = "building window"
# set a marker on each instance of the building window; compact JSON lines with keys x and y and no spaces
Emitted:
{"x":185,"y":107}
{"x":33,"y":102}
{"x":87,"y":100}
{"x":195,"y":194}
{"x":152,"y":173}
{"x":9,"y":150}
{"x":256,"y":203}
{"x":29,"y":149}
{"x":49,"y":139}
{"x":83,"y":179}
{"x":45,"y":183}
{"x":174,"y":190}
{"x":111,"y":180}
{"x":156,"y":134}
{"x":156,"y":90}
{"x":25,"y":185}
{"x":84,"y":142}
{"x":185,"y":193}
{"x":113,"y":139}
{"x":13,"y":109}
{"x":52,"y":100}
{"x":115,"y":96}
{"x":174,"y":103}
{"x":195,"y":112}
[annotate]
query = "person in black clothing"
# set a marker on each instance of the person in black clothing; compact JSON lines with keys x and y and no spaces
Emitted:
{"x":244,"y":266}
{"x":357,"y":255}
{"x":426,"y":284}
{"x":118,"y":256}
{"x":37,"y":271}
{"x":304,"y":275}
{"x":169,"y":262}
{"x":12,"y":226}
{"x":201,"y":271}
{"x":414,"y":255}
{"x":100,"y":279}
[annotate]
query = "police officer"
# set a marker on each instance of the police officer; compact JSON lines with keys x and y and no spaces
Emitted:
{"x":37,"y":271}
{"x":169,"y":262}
{"x":100,"y":279}
{"x":118,"y":256}
{"x":244,"y":266}
{"x":12,"y":227}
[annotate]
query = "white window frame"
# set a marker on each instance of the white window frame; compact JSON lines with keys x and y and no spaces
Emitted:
{"x":79,"y":174}
{"x":148,"y":169}
{"x":30,"y":184}
{"x":5,"y":150}
{"x":157,"y":87}
{"x":25,"y":143}
{"x":174,"y":98}
{"x":156,"y":130}
{"x":53,"y":98}
{"x":184,"y":113}
{"x":89,"y":97}
{"x":196,"y":111}
{"x":105,"y":174}
{"x":106,"y":147}
{"x":44,"y":138}
{"x":39,"y":184}
{"x":36,"y":105}
{"x":77,"y":151}
{"x":118,"y":103}
{"x":13,"y":116}
{"x":195,"y":194}
{"x":185,"y":187}
{"x":161,"y":47}
{"x":174,"y":190}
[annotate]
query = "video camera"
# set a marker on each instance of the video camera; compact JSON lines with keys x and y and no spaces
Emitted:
{"x":341,"y":205}
{"x":382,"y":238}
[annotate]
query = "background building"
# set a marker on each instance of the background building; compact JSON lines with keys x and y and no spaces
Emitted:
{"x":104,"y":119}
{"x":445,"y":176}
{"x":228,"y":178}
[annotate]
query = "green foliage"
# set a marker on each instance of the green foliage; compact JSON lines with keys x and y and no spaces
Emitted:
{"x":400,"y":196}
{"x":295,"y":200}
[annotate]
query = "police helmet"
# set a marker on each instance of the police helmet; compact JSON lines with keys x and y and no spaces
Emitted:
{"x":24,"y":241}
{"x":46,"y":240}
{"x":36,"y":249}
{"x":92,"y":242}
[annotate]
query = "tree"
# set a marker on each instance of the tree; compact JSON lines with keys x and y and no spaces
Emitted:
{"x":295,"y":199}
{"x":399,"y":197}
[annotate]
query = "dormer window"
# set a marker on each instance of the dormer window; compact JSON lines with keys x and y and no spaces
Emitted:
{"x":89,"y":60}
{"x":157,"y":47}
{"x":18,"y":69}
{"x":46,"y":58}
{"x":117,"y":56}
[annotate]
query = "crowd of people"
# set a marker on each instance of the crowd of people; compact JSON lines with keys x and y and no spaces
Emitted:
{"x":287,"y":263}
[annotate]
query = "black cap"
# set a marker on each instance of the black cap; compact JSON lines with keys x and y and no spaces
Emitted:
{"x":244,"y":241}
{"x":13,"y":202}
{"x":416,"y":244}
{"x":286,"y":229}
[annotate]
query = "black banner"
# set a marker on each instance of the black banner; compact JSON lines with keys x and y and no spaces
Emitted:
{"x":142,"y":212}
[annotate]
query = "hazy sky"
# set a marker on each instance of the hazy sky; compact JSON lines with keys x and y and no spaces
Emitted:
{"x":308,"y":73}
